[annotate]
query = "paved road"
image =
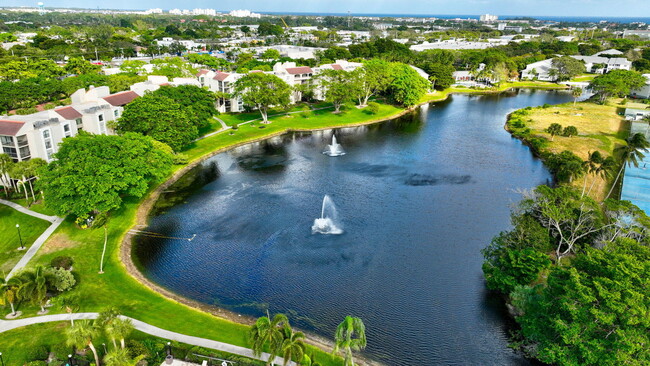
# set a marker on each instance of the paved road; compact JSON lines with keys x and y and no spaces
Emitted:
{"x":6,"y":325}
{"x":38,"y":243}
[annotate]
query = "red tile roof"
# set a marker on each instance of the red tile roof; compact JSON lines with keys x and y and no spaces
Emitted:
{"x":68,"y":113}
{"x":299,"y":70}
{"x":337,"y":67}
{"x":202,"y":72}
{"x":120,"y":99}
{"x":221,"y":76}
{"x":10,"y":128}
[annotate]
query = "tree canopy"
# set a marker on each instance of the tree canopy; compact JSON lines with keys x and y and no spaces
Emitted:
{"x":94,"y":173}
{"x":617,"y":83}
{"x":407,"y":87}
{"x":160,"y":117}
{"x":263,"y":91}
{"x":196,"y":102}
{"x":567,"y":67}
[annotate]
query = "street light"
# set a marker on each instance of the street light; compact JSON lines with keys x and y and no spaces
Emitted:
{"x":104,"y":344}
{"x":169,"y":348}
{"x":20,"y":237}
{"x":1,"y":360}
{"x":70,"y":360}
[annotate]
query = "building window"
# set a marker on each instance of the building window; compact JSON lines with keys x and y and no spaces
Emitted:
{"x":80,"y":124}
{"x":22,"y":140}
{"x":25,"y":153}
{"x":7,"y":140}
{"x":66,"y":130}
{"x":47,"y":141}
{"x":102,"y":127}
{"x":100,"y":117}
{"x":11,"y":151}
{"x":116,"y":113}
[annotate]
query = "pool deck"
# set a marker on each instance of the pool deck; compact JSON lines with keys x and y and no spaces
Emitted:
{"x":636,"y":180}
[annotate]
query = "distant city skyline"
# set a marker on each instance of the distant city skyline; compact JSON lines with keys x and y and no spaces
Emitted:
{"x":573,"y":8}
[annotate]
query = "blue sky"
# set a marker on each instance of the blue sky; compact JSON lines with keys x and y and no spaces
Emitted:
{"x":604,"y":8}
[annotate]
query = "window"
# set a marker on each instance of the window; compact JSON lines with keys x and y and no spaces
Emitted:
{"x":102,"y":127}
{"x":22,"y":140}
{"x":80,"y":124}
{"x":7,"y":140}
{"x":11,"y":151}
{"x":46,"y":134}
{"x":25,"y":153}
{"x":66,"y":130}
{"x":116,"y":113}
{"x":100,"y":117}
{"x":47,"y":142}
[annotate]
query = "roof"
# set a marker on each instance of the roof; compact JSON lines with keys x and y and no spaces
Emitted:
{"x":221,"y":76}
{"x":299,"y":70}
{"x":202,"y":72}
{"x":10,"y":128}
{"x":120,"y":99}
{"x":337,"y":67}
{"x":68,"y":113}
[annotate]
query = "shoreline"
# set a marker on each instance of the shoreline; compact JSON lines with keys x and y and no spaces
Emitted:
{"x":144,"y":209}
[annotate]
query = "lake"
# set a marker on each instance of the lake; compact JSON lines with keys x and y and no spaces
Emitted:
{"x":417,"y":199}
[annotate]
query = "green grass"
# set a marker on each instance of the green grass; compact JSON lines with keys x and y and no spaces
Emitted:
{"x":583,"y":78}
{"x":30,"y":228}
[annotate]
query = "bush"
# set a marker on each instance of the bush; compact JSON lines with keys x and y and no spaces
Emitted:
{"x":36,"y":363}
{"x":61,"y":351}
{"x":64,"y":262}
{"x":62,"y":280}
{"x":304,"y":114}
{"x":180,"y":159}
{"x":373,"y":107}
{"x":235,"y":126}
{"x":546,"y":105}
{"x":40,"y":353}
{"x":24,"y":111}
{"x":49,"y":106}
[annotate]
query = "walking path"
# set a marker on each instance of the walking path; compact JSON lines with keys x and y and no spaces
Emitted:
{"x":6,"y":325}
{"x":38,"y":243}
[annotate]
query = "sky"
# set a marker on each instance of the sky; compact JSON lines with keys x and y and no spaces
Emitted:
{"x":604,"y":8}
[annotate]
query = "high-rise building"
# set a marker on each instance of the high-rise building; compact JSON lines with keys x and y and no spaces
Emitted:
{"x":488,"y":18}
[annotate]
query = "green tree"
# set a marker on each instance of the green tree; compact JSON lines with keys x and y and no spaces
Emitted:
{"x":293,"y":345}
{"x":270,"y":54}
{"x":407,"y":87}
{"x":268,"y":332}
{"x":616,"y":83}
{"x":263,"y":91}
{"x":9,"y":289}
{"x":79,"y":66}
{"x":567,"y":67}
{"x":121,"y":357}
{"x":159,"y":117}
{"x":554,"y":129}
{"x":336,"y":84}
{"x":576,"y":93}
{"x":350,"y":336}
{"x":440,"y":74}
{"x":93,"y":173}
{"x":630,"y":154}
{"x":33,"y":286}
{"x":81,"y":335}
{"x":569,"y":131}
{"x":6,"y":168}
{"x":135,"y":67}
{"x":197,"y":103}
{"x":268,"y":29}
{"x":119,"y":328}
{"x":61,"y":279}
{"x":373,"y":78}
{"x":593,"y":312}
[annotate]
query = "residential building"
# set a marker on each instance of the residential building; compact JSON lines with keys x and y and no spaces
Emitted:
{"x":38,"y":135}
{"x":244,"y":14}
{"x":639,"y":33}
{"x":644,"y":91}
{"x":632,"y":114}
{"x":294,"y":52}
{"x":189,"y":44}
{"x":539,"y":70}
{"x":488,"y":18}
{"x":603,"y":65}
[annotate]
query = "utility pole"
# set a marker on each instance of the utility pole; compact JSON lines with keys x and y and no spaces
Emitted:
{"x":96,"y":55}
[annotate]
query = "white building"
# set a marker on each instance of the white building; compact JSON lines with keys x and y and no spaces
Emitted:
{"x":602,"y":65}
{"x":290,"y":51}
{"x":488,"y":18}
{"x":644,"y":91}
{"x":244,"y":14}
{"x":639,"y":33}
{"x":539,"y":70}
{"x":154,"y":11}
{"x":189,"y":44}
{"x":38,"y":135}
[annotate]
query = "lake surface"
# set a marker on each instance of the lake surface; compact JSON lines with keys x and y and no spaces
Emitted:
{"x":417,"y":198}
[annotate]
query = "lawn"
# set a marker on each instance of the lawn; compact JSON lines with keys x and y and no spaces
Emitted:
{"x":599,"y":129}
{"x":583,"y":78}
{"x":30,"y":229}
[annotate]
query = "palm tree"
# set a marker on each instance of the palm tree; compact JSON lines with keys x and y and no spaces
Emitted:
{"x":293,"y":346}
{"x":119,"y":328}
{"x":576,"y":93}
{"x":34,"y":286}
{"x":9,"y":290}
{"x":266,"y":331}
{"x":81,"y":335}
{"x":121,"y":357}
{"x":604,"y":170}
{"x":591,"y":166}
{"x":630,"y":154}
{"x":69,"y":303}
{"x":350,"y":336}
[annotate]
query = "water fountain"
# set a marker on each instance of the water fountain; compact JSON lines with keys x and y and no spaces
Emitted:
{"x":334,"y":149}
{"x":328,"y":221}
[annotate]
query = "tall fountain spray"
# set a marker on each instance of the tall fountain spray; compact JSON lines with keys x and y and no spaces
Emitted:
{"x":328,"y":221}
{"x":334,"y":149}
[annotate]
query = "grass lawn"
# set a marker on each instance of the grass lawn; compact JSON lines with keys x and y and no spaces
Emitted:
{"x":600,"y":128}
{"x":30,"y":228}
{"x":583,"y":78}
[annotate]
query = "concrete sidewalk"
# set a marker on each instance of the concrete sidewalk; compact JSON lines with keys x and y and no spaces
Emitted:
{"x":6,"y":325}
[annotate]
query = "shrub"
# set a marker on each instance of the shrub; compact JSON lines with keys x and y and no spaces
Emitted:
{"x":36,"y":363}
{"x":49,"y":106}
{"x":510,"y":268}
{"x":546,"y":105}
{"x":180,"y":159}
{"x":62,"y":280}
{"x":24,"y":111}
{"x":235,"y":126}
{"x":39,"y":353}
{"x":373,"y":107}
{"x":304,"y":114}
{"x":64,"y":262}
{"x":61,"y":351}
